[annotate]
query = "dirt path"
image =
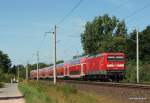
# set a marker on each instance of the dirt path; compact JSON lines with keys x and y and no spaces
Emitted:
{"x":11,"y":94}
{"x":13,"y":101}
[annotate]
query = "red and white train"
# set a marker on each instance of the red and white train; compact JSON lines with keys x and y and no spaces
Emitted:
{"x":104,"y":66}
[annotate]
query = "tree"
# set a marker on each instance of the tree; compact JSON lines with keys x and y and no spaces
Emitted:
{"x":14,"y":70}
{"x":101,"y":33}
{"x":60,"y":61}
{"x":131,"y":47}
{"x":22,"y":71}
{"x":144,"y":44}
{"x":5,"y":62}
{"x":5,"y":65}
{"x":121,"y":29}
{"x":34,"y":66}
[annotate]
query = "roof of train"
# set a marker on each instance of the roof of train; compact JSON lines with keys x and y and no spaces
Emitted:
{"x":60,"y":65}
{"x":105,"y":53}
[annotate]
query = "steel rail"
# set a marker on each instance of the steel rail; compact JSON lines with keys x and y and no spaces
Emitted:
{"x":108,"y":84}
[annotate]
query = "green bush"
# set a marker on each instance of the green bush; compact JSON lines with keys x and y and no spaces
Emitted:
{"x":144,"y":71}
{"x":4,"y":77}
{"x":33,"y":95}
{"x":130,"y":73}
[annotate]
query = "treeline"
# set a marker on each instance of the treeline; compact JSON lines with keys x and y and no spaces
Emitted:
{"x":9,"y":71}
{"x":5,"y":67}
{"x":22,"y":68}
{"x":109,"y":34}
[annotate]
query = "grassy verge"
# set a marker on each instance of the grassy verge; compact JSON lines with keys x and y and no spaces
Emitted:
{"x":44,"y":93}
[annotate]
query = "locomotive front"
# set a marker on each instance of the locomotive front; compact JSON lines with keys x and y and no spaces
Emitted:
{"x":115,"y":64}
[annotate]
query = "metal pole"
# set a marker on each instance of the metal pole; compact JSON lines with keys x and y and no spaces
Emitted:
{"x":54,"y":68}
{"x":37,"y":72}
{"x":137,"y":54}
{"x":27,"y":71}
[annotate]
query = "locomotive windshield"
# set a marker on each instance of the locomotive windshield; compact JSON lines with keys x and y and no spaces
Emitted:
{"x":115,"y":58}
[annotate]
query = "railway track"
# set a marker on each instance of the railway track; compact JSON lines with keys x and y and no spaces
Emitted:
{"x":108,"y":84}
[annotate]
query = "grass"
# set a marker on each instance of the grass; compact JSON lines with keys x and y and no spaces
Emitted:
{"x":42,"y":92}
{"x":45,"y":93}
{"x":33,"y":94}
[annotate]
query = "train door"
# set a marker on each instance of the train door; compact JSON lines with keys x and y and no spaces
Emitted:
{"x":65,"y":71}
{"x":101,"y":62}
{"x":82,"y":71}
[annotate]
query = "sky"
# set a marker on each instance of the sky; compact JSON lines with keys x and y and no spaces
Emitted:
{"x":23,"y":24}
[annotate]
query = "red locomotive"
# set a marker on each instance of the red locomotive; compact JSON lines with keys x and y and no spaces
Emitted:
{"x":104,"y":66}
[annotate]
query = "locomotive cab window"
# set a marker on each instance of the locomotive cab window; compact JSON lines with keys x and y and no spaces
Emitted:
{"x":115,"y":58}
{"x":119,"y":58}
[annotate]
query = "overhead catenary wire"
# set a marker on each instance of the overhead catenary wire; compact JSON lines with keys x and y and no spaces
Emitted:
{"x":119,"y":6}
{"x":133,"y":13}
{"x":40,"y":46}
{"x":42,"y":42}
{"x":69,"y":13}
{"x":116,"y":8}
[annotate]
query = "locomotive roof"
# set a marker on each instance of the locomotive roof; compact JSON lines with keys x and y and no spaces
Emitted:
{"x":115,"y":53}
{"x":72,"y":62}
{"x":51,"y":67}
{"x":105,"y":53}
